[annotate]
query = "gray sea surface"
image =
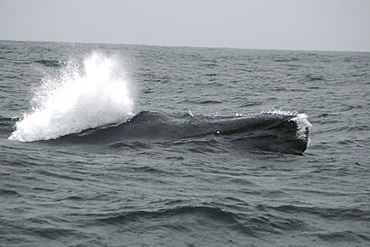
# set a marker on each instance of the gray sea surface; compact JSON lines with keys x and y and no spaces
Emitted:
{"x":199,"y":191}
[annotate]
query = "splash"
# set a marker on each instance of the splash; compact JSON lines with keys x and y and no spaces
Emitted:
{"x":78,"y":98}
{"x":300,"y":118}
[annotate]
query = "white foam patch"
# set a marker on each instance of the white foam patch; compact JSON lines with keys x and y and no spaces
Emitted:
{"x":281,"y":112}
{"x":78,"y":98}
{"x":303,"y":125}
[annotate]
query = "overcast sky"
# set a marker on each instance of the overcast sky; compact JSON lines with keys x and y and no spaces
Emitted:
{"x":254,"y":24}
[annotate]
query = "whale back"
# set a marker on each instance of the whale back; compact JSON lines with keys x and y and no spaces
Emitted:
{"x":275,"y":132}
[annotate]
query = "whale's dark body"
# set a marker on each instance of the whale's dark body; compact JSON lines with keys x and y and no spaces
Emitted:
{"x":276,"y":132}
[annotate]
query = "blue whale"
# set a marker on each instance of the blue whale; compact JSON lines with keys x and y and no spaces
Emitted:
{"x":275,"y":132}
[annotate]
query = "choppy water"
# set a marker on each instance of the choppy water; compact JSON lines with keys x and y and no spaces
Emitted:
{"x":197,"y":191}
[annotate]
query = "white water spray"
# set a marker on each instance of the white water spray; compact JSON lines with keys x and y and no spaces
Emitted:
{"x":97,"y":94}
{"x":299,"y":118}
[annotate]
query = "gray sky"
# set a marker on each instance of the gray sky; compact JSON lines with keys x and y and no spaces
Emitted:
{"x":255,"y":24}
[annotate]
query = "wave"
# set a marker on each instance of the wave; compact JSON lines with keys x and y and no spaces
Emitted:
{"x":275,"y":131}
{"x":208,"y":212}
{"x":327,"y":213}
{"x":50,"y":63}
{"x":181,"y":218}
{"x":185,"y":219}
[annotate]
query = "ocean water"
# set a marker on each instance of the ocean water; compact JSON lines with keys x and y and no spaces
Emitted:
{"x":65,"y":182}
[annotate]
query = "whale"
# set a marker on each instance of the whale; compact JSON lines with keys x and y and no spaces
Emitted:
{"x":286,"y":133}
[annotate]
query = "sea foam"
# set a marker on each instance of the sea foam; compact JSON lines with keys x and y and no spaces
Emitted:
{"x":78,"y":98}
